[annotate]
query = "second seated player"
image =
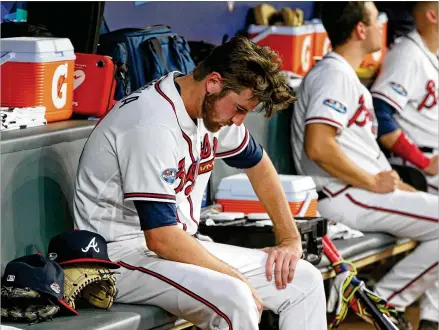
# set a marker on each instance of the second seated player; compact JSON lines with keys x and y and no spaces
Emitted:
{"x":334,"y":141}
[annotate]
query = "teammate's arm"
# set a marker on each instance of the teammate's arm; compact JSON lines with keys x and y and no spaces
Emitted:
{"x":321,"y":147}
{"x":395,"y":140}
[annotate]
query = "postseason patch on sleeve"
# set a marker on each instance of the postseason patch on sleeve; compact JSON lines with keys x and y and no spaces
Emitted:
{"x":335,"y":105}
{"x":398,"y":88}
{"x":169,"y":175}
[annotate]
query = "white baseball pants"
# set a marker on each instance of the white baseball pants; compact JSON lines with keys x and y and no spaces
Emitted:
{"x":212,"y":300}
{"x":403,"y":214}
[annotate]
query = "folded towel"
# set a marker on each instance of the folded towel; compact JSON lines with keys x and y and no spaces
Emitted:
{"x":337,"y":230}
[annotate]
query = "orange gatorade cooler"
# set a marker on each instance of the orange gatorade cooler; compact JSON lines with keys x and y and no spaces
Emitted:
{"x":235,"y":193}
{"x":322,"y":44}
{"x":39,"y":73}
{"x":295,"y":45}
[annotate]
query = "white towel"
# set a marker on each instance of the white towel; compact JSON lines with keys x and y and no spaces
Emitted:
{"x":337,"y":230}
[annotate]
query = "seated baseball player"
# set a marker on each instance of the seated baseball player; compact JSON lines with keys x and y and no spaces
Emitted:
{"x":140,"y":183}
{"x":405,"y":97}
{"x":333,"y":140}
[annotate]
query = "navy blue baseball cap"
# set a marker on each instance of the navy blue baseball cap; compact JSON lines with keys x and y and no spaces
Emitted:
{"x":82,"y":246}
{"x":37,"y":273}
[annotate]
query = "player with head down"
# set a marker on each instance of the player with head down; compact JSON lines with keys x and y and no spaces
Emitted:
{"x":405,"y":96}
{"x":334,"y":141}
{"x":140,"y":183}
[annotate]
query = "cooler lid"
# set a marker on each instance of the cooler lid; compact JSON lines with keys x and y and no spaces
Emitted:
{"x":239,"y":184}
{"x":35,"y":45}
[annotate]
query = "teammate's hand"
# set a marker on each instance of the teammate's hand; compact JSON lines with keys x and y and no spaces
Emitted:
{"x":406,"y":187}
{"x":385,"y":182}
{"x":284,"y":257}
{"x":433,"y":168}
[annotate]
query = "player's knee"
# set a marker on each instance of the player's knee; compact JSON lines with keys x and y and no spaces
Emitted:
{"x":312,"y":274}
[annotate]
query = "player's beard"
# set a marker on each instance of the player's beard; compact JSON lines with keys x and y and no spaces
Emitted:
{"x":209,"y":113}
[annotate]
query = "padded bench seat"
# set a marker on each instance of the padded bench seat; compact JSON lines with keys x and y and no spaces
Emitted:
{"x":120,"y":316}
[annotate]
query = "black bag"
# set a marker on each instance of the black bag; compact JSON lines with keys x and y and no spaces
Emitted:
{"x":143,"y":55}
{"x":200,"y":50}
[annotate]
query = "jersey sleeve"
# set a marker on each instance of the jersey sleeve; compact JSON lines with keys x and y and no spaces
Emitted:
{"x":395,"y":81}
{"x":232,"y":140}
{"x":248,"y":157}
{"x":148,"y":163}
{"x":328,"y":103}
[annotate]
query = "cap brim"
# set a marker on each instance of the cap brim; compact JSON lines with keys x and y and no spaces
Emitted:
{"x":107,"y":263}
{"x":67,"y":307}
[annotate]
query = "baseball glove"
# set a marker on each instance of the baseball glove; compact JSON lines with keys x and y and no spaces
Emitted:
{"x":94,"y":283}
{"x":26,"y":305}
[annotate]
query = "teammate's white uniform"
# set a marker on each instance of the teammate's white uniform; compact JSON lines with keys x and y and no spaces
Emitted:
{"x":332,"y":94}
{"x":409,"y":83}
{"x":148,"y":148}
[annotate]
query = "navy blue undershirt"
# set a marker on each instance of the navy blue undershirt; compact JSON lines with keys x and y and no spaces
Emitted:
{"x":385,"y":117}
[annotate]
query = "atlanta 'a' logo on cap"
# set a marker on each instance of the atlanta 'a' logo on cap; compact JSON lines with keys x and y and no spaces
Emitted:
{"x":92,"y":245}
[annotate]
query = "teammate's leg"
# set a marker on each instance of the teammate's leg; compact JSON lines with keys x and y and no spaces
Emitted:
{"x":301,"y":305}
{"x":429,"y":303}
{"x":206,"y":298}
{"x":403,"y":214}
{"x":433,"y":184}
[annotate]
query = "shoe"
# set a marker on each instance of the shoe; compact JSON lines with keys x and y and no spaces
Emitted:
{"x":428,"y":325}
{"x":401,"y":322}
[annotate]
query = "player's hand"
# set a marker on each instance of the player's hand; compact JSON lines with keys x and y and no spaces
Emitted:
{"x":433,"y":168}
{"x":284,"y":257}
{"x":406,"y":187}
{"x":385,"y":182}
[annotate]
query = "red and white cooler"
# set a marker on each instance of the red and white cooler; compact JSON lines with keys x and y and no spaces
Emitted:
{"x":295,"y":45}
{"x":235,"y":193}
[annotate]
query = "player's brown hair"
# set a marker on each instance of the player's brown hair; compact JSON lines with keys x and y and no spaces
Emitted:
{"x":340,"y":19}
{"x":245,"y":65}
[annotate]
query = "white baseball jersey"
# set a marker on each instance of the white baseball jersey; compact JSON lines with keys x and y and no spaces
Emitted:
{"x":409,"y":83}
{"x":148,"y":148}
{"x":332,"y":94}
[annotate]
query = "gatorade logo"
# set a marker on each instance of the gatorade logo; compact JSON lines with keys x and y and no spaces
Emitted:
{"x":326,"y":46}
{"x":59,"y":86}
{"x":306,"y":54}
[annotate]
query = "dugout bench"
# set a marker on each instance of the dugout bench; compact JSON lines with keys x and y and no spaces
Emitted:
{"x":38,"y":167}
